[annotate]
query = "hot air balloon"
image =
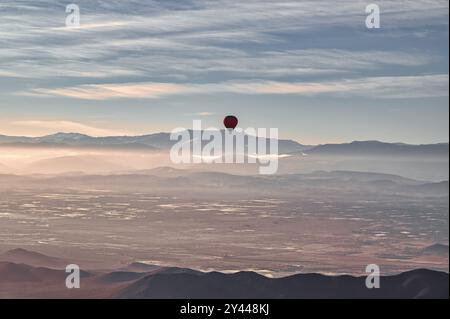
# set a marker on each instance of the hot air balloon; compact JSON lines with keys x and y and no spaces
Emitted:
{"x":230,"y":122}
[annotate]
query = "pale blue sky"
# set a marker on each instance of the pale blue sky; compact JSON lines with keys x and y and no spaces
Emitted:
{"x":310,"y":68}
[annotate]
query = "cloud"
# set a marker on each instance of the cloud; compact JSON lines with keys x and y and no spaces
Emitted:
{"x":374,"y":87}
{"x":51,"y":126}
{"x":115,"y":91}
{"x":90,"y":26}
{"x":201,"y":114}
{"x":199,"y":62}
{"x":159,"y":41}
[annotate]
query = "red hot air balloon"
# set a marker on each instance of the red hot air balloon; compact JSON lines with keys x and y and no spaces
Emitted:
{"x":230,"y":122}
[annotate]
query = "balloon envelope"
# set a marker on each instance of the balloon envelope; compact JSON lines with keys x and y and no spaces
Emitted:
{"x":230,"y":122}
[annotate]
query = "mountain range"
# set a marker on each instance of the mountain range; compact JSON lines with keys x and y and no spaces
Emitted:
{"x":161,"y":141}
{"x":188,"y":284}
{"x":32,"y":258}
{"x":157,"y":141}
{"x":20,"y":280}
{"x":170,"y":179}
{"x":370,"y":148}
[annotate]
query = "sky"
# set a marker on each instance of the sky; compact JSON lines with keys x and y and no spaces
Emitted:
{"x":312,"y":69}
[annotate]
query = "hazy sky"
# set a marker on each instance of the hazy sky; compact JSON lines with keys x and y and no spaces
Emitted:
{"x":310,"y":68}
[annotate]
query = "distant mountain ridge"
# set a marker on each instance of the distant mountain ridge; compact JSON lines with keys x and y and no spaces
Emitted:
{"x":149,"y":141}
{"x":32,"y":258}
{"x":161,"y":141}
{"x":204,"y":182}
{"x":370,"y":148}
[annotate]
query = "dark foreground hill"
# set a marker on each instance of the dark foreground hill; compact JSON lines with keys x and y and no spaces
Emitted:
{"x":18,"y":280}
{"x":419,"y":283}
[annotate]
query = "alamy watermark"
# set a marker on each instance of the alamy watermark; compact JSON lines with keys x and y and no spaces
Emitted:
{"x":373,"y":279}
{"x":73,"y":279}
{"x":73,"y":17}
{"x":373,"y":18}
{"x":230,"y":146}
